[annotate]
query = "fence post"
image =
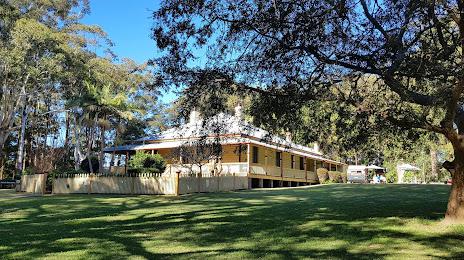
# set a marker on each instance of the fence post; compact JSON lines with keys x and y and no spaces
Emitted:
{"x":90,"y":183}
{"x":177,"y":184}
{"x":132,"y":184}
{"x":234,"y":181}
{"x":53,"y":182}
{"x":199,"y":182}
{"x":44,"y":184}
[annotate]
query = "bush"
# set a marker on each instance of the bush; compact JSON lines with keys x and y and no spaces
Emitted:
{"x":143,"y":170}
{"x":392,"y":176}
{"x":344,"y":176}
{"x":144,"y":162}
{"x":49,"y":182}
{"x":408,"y":176}
{"x":28,"y":171}
{"x":322,"y":174}
{"x":334,"y":176}
{"x":371,"y":173}
{"x":95,"y":164}
{"x":155,"y":162}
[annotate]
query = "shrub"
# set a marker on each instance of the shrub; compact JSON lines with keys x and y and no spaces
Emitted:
{"x":134,"y":170}
{"x":145,"y":162}
{"x":408,"y":176}
{"x":392,"y":176}
{"x":344,"y":176}
{"x":155,"y":162}
{"x":371,"y":173}
{"x":322,"y":174}
{"x":334,"y":176}
{"x":28,"y":171}
{"x":95,"y":164}
{"x":143,"y":170}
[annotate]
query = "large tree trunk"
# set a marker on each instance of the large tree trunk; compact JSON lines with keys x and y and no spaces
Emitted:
{"x":66,"y":138}
{"x":455,"y":209}
{"x":22,"y":135}
{"x":89,"y":148}
{"x":102,"y":148}
{"x":113,"y":155}
{"x":78,"y":154}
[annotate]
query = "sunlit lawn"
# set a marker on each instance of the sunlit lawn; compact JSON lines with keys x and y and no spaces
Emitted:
{"x":329,"y":221}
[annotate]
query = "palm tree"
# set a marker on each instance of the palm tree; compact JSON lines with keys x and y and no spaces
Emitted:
{"x":105,"y":109}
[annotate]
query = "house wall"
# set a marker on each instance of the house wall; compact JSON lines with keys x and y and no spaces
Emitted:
{"x":267,"y":165}
{"x":230,"y":156}
{"x":166,"y":153}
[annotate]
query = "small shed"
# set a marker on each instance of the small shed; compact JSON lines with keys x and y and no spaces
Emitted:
{"x":406,"y":167}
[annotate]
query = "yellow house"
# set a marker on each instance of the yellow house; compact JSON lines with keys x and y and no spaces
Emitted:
{"x":267,"y":160}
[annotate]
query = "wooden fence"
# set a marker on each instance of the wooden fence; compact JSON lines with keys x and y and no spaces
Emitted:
{"x":169,"y":184}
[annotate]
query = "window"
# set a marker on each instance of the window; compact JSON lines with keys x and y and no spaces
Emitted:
{"x":302,"y":163}
{"x":255,"y":154}
{"x":277,"y":158}
{"x":292,"y":162}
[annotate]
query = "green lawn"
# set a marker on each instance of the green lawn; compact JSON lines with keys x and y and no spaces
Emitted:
{"x":325,"y":221}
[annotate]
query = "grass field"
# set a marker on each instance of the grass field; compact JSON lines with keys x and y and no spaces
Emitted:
{"x":327,"y":221}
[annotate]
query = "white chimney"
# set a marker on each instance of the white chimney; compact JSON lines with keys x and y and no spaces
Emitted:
{"x":194,"y":116}
{"x":288,"y":137}
{"x":239,"y":112}
{"x":316,"y":147}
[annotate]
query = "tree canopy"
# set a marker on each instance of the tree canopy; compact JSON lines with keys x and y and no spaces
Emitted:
{"x":398,"y":60}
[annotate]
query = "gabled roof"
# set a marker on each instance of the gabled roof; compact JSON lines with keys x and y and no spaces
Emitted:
{"x":223,"y":125}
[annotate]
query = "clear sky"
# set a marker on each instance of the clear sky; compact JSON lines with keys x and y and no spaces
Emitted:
{"x":127,"y":24}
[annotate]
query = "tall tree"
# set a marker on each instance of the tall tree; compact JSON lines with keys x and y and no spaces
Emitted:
{"x":333,"y":50}
{"x":33,"y":41}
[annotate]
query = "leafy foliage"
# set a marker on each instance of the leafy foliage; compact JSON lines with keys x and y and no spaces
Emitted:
{"x":344,"y":176}
{"x":322,"y":174}
{"x":408,"y":176}
{"x":85,"y":163}
{"x":146,"y":162}
{"x":392,"y":176}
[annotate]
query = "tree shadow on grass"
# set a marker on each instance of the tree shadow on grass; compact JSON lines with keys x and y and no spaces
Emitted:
{"x":337,"y":221}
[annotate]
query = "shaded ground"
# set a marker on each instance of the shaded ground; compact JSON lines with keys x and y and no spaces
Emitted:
{"x":12,"y":193}
{"x":327,"y":221}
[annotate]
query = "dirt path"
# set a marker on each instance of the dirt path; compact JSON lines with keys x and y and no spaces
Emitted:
{"x":12,"y":193}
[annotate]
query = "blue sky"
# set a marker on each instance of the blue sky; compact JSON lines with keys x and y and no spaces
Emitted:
{"x":127,"y":24}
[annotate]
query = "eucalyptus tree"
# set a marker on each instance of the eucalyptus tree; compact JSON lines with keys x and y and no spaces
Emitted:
{"x":33,"y":40}
{"x":325,"y":50}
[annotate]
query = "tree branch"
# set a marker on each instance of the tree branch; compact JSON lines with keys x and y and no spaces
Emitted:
{"x":374,"y":21}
